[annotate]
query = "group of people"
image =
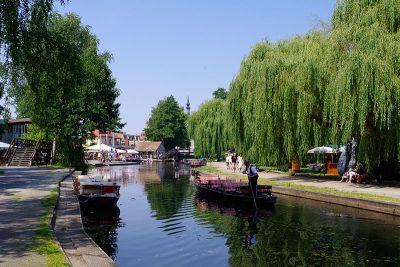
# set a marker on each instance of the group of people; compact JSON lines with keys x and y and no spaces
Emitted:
{"x":356,"y":173}
{"x":236,"y":162}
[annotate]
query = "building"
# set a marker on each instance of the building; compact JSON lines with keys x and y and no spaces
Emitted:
{"x":150,"y":150}
{"x":16,"y":128}
{"x":142,"y":136}
{"x":113,"y":139}
{"x":133,"y":139}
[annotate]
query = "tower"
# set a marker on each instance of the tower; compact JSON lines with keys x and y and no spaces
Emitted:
{"x":187,"y":107}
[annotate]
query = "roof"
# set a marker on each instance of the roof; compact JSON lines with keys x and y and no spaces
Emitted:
{"x":21,"y":120}
{"x":147,"y":146}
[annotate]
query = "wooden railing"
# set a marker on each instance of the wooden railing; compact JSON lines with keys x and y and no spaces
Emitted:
{"x":169,"y":154}
{"x":39,"y":146}
{"x":10,"y":152}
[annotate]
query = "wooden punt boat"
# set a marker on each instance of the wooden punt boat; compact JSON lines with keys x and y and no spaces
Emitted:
{"x":96,"y":191}
{"x":231,"y":190}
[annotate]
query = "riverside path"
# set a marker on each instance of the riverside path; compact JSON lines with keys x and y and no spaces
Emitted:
{"x":21,"y":192}
{"x":378,"y":190}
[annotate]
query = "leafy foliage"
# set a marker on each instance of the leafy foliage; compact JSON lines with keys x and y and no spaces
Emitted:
{"x":68,"y":89}
{"x":322,"y":88}
{"x":207,"y":128}
{"x":220,"y":93}
{"x":167,"y":123}
{"x":15,"y":19}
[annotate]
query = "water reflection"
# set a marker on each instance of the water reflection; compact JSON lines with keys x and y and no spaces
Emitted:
{"x":166,"y":198}
{"x":162,"y":222}
{"x":294,"y":235}
{"x":101,"y":224}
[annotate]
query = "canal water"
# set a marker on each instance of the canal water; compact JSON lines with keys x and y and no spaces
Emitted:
{"x":160,"y":221}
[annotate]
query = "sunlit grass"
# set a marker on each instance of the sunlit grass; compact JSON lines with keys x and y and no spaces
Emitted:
{"x":43,"y":238}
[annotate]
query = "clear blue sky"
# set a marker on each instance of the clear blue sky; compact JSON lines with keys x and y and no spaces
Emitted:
{"x":186,"y":48}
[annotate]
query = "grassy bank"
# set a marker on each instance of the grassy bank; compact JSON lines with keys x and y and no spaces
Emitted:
{"x":217,"y":171}
{"x":43,"y":239}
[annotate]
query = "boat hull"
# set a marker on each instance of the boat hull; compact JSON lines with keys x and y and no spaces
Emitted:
{"x":246,"y":199}
{"x":98,"y":200}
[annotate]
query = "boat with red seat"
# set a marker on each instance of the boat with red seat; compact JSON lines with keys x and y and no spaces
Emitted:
{"x":96,"y":191}
{"x":227,"y":189}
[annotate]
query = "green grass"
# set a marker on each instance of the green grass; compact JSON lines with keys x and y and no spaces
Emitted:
{"x":331,"y":191}
{"x":43,"y":239}
{"x":209,"y":168}
{"x":17,"y":196}
{"x":217,"y":171}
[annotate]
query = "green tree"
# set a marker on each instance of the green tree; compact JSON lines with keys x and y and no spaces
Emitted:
{"x":207,"y":128}
{"x":220,"y":93}
{"x":68,"y":90}
{"x":167,"y":123}
{"x":15,"y":18}
{"x":323,"y":88}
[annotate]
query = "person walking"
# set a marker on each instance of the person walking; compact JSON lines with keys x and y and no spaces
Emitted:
{"x":234,"y":159}
{"x":252,"y":175}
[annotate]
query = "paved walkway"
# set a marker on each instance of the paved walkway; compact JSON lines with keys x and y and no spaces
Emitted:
{"x":323,"y":183}
{"x":79,"y":248}
{"x":21,"y":191}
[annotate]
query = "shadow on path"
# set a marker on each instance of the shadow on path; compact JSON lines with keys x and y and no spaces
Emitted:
{"x":21,"y":194}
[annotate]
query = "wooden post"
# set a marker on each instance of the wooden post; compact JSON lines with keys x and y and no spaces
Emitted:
{"x":53,"y":152}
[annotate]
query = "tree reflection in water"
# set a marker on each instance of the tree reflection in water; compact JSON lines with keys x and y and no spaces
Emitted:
{"x":165,"y":218}
{"x":297,"y":236}
{"x":101,"y":225}
{"x":167,"y":196}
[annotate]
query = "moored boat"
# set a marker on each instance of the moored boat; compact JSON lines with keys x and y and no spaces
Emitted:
{"x":234,"y":190}
{"x":96,"y":191}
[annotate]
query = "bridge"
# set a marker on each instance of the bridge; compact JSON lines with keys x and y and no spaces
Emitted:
{"x":176,"y":153}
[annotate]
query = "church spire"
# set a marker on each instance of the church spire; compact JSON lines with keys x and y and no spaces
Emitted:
{"x":188,"y":106}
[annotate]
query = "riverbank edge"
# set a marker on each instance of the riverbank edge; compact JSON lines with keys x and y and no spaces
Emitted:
{"x":370,"y":205}
{"x":66,"y":223}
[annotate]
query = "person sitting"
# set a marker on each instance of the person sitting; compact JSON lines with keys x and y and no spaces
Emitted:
{"x":361,"y":173}
{"x":352,"y":174}
{"x":345,"y":177}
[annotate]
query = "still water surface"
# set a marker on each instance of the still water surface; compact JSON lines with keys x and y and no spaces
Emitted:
{"x":160,"y":221}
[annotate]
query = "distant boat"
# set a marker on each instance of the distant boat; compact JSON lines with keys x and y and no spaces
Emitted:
{"x":231,"y":190}
{"x":96,"y":191}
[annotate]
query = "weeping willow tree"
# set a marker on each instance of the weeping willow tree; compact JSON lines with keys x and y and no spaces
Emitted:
{"x":207,"y":128}
{"x":326,"y":87}
{"x":363,"y":98}
{"x":275,"y":102}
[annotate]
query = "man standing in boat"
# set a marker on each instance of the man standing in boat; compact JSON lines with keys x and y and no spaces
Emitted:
{"x":252,"y":175}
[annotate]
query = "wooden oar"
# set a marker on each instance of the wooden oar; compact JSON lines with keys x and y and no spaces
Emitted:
{"x":254,"y":197}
